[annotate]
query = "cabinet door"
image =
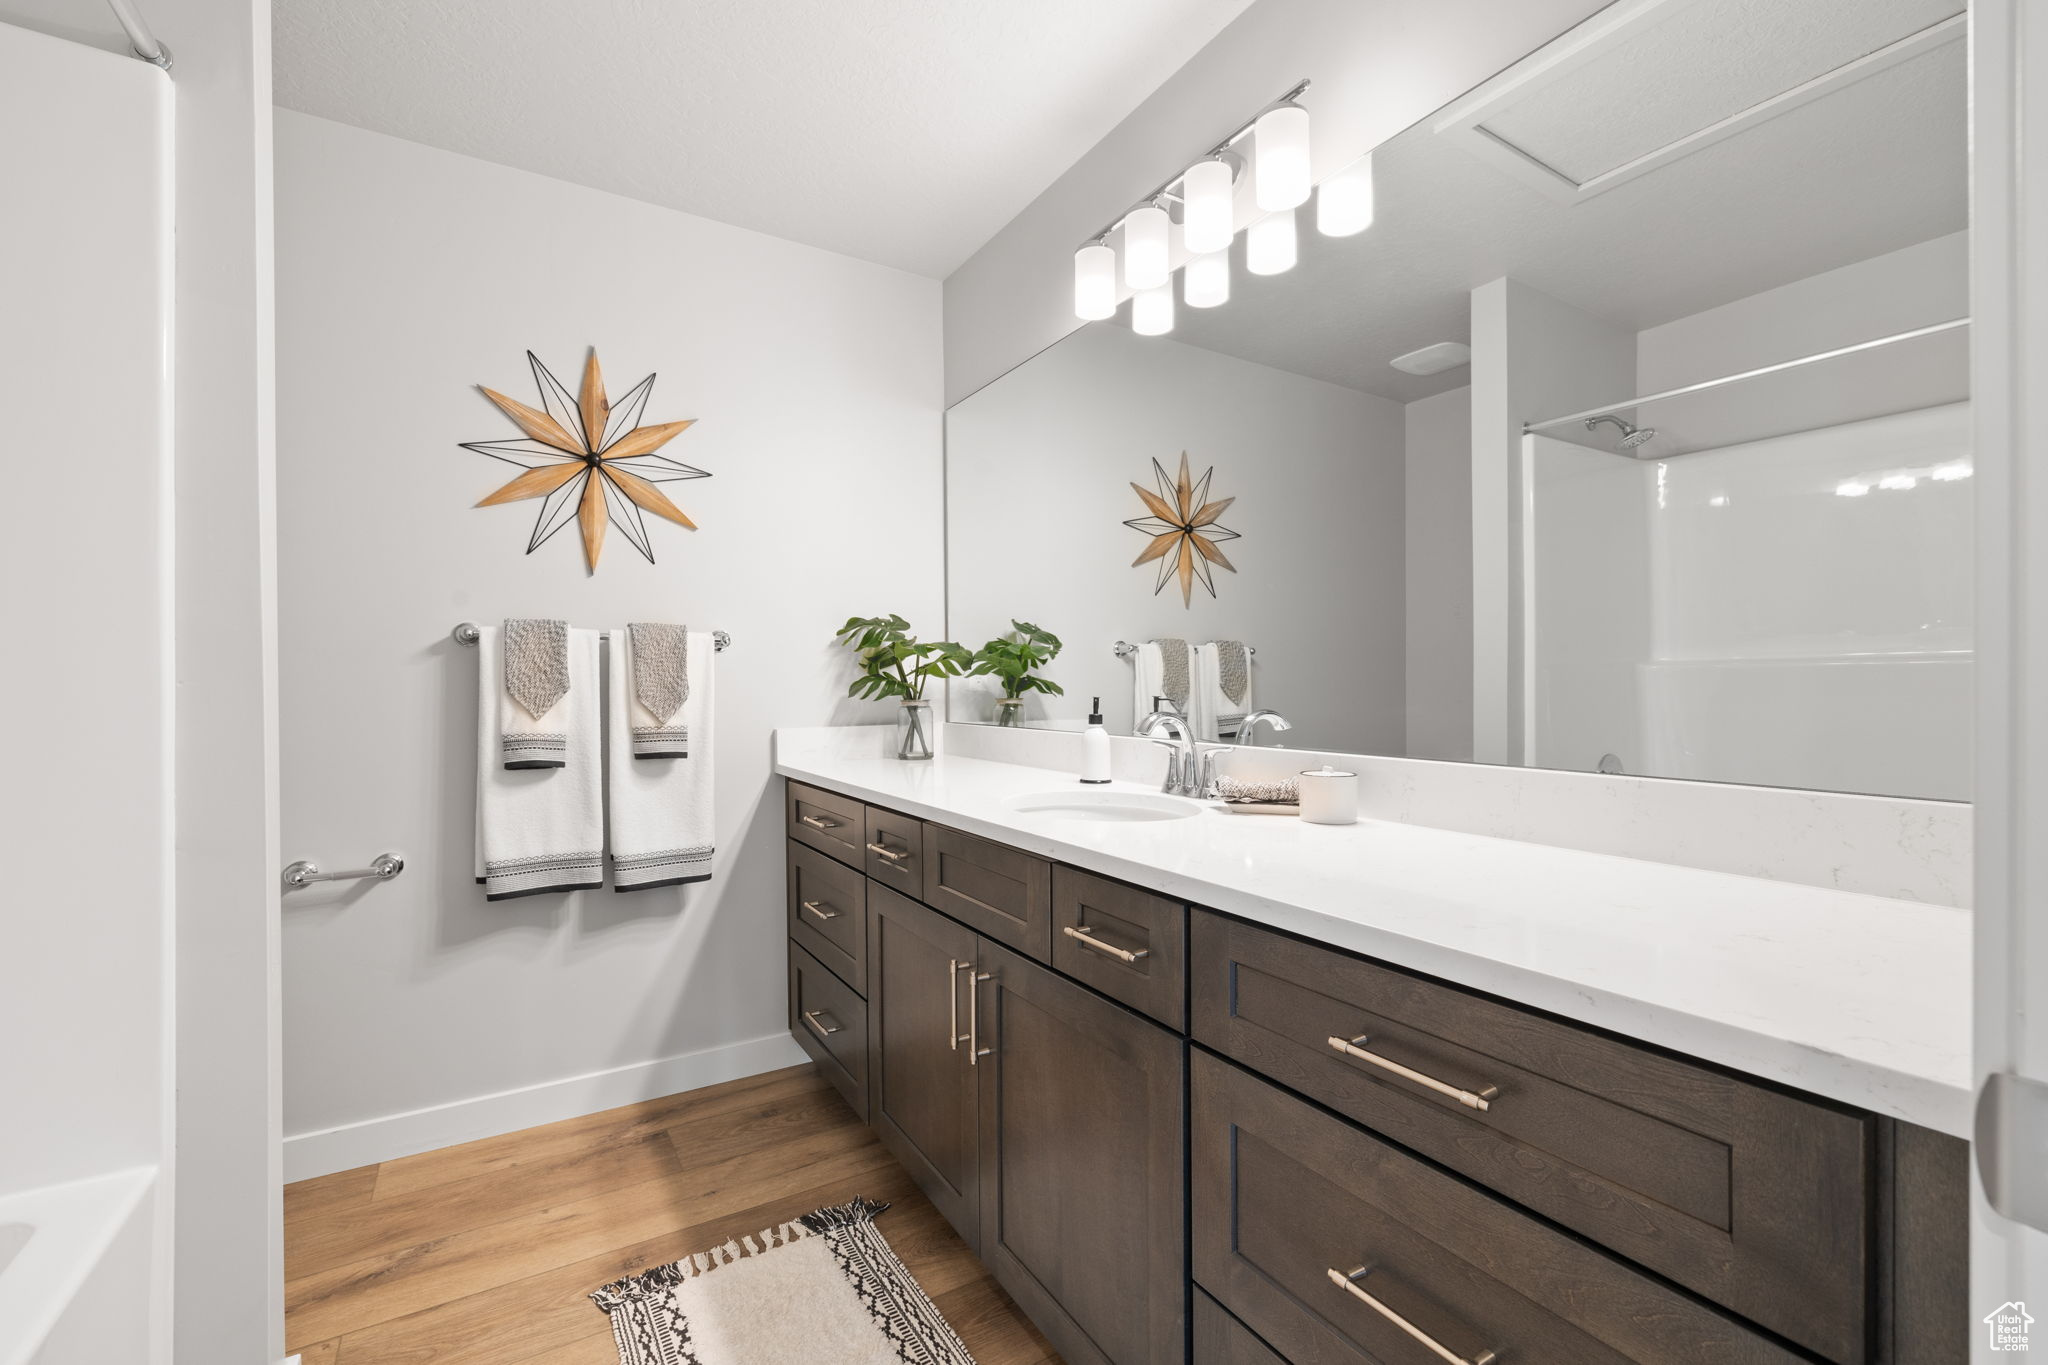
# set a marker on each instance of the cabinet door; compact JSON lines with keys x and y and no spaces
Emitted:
{"x":1082,"y":1190}
{"x":920,"y":1082}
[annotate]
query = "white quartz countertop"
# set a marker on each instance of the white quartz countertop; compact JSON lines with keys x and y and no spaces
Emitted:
{"x":1853,"y":997}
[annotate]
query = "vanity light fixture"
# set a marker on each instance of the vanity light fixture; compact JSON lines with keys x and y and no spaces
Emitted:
{"x":1344,"y":201}
{"x":1203,"y":197}
{"x":1280,"y":178}
{"x":1146,"y":259}
{"x":1152,"y":310}
{"x":1207,"y":221}
{"x":1269,"y":247}
{"x":1205,"y":281}
{"x":1095,"y":281}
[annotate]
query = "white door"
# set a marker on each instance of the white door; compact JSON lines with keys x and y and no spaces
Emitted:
{"x":2009,"y":1231}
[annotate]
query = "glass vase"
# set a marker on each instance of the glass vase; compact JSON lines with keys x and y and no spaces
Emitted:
{"x":1009,"y":712}
{"x":914,"y":730}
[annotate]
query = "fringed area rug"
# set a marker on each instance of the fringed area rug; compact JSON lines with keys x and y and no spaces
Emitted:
{"x":823,"y":1290}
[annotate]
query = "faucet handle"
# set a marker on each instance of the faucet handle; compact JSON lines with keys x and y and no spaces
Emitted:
{"x":1207,"y":789}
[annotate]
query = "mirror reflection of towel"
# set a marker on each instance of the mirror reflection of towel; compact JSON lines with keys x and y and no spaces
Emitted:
{"x":1222,"y":689}
{"x":1163,"y":668}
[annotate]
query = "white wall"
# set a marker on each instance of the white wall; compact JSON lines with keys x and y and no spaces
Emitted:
{"x":1377,"y":66}
{"x":84,"y":337}
{"x":1039,"y":469}
{"x":407,"y":277}
{"x":1438,"y":584}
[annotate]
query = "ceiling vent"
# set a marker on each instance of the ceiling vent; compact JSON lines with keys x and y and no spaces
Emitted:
{"x":1445,"y":355}
{"x":1646,"y":82}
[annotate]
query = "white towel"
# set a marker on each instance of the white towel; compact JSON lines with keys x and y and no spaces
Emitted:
{"x":1154,"y":676}
{"x":539,"y":829}
{"x":1218,"y":715}
{"x":663,"y":826}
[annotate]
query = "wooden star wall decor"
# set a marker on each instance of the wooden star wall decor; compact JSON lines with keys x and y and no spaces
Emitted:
{"x":1183,"y":529}
{"x":589,"y":461}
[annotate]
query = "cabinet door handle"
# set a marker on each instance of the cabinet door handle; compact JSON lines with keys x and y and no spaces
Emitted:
{"x":1085,"y":934}
{"x":953,"y":1004}
{"x":894,"y":855}
{"x":1472,"y":1099}
{"x":974,"y":1048}
{"x":821,"y":910}
{"x":1349,"y":1284}
{"x":816,"y":822}
{"x":811,"y":1017}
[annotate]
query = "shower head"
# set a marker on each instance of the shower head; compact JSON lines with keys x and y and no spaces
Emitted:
{"x":1631,"y":435}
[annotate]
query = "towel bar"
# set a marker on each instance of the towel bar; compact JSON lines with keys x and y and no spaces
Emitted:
{"x":302,"y":873}
{"x":1123,"y":650}
{"x":465,"y":633}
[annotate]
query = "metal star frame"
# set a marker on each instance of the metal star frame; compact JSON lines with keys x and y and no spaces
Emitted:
{"x":1183,"y":530}
{"x":588,"y":460}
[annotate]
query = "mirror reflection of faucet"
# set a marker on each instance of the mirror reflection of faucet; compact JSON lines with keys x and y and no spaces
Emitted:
{"x":1248,"y":728}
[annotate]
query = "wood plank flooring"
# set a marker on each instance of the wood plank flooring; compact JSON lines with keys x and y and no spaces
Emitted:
{"x":483,"y":1254}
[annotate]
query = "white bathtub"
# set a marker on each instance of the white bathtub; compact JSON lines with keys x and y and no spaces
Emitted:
{"x":75,"y":1281}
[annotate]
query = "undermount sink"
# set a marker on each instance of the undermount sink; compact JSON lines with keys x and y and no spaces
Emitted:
{"x":1108,"y":807}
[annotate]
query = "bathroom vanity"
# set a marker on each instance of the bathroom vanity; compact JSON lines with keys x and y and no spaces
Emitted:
{"x":1178,"y":1126}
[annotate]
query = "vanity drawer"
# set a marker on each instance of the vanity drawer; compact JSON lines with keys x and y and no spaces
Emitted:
{"x":995,"y":890}
{"x":1746,"y":1195}
{"x":894,"y":851}
{"x":831,"y":1023}
{"x":1129,"y":944}
{"x":1285,"y":1194}
{"x":828,"y":913}
{"x":828,"y":822}
{"x":1221,"y":1339}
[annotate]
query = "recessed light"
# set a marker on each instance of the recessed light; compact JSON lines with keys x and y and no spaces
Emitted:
{"x":1445,"y":355}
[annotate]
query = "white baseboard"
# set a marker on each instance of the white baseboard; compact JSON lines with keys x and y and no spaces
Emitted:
{"x":443,"y":1125}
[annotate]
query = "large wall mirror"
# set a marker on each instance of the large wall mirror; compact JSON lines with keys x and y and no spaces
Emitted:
{"x":1632,"y":435}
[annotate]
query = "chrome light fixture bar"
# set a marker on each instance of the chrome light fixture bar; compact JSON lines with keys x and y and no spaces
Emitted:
{"x":1205,"y":194}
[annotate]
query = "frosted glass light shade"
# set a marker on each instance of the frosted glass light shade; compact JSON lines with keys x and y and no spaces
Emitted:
{"x":1269,"y":248}
{"x":1206,"y":225}
{"x":1280,"y":158}
{"x":1152,"y":311}
{"x":1205,"y":281}
{"x":1145,"y":260}
{"x":1094,"y":282}
{"x":1344,"y":201}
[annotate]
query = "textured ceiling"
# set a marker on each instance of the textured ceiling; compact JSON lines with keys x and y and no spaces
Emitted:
{"x":900,"y":131}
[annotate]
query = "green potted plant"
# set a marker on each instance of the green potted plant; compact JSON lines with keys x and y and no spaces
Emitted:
{"x":895,"y":663}
{"x":1013,"y":660}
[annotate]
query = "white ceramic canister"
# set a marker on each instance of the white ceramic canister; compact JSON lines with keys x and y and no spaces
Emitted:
{"x":1329,"y":796}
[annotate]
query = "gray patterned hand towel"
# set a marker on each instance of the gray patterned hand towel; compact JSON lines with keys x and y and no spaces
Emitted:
{"x":659,"y":657}
{"x":531,"y":733}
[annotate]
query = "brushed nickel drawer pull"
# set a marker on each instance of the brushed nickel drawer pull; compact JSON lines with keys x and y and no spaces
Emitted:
{"x":974,"y":1047}
{"x":811,"y":1017}
{"x":1471,"y":1099}
{"x":816,"y":822}
{"x":953,"y":1003}
{"x":822,"y":910}
{"x":1085,"y":934}
{"x":894,"y":855}
{"x":1349,"y":1284}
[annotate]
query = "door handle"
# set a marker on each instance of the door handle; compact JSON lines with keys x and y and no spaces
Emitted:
{"x":974,"y":1048}
{"x":894,"y":855}
{"x":1084,"y":934}
{"x":821,"y":910}
{"x":811,"y":1017}
{"x":1349,"y":1284}
{"x":953,"y":1004}
{"x":816,"y":823}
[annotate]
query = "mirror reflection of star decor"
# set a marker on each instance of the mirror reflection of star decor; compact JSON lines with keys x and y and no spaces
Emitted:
{"x":1183,"y":530}
{"x":588,"y":460}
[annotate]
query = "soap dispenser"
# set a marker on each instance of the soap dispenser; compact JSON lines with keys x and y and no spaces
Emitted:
{"x":1095,"y":748}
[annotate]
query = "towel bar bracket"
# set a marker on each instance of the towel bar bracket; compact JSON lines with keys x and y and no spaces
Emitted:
{"x":302,"y":873}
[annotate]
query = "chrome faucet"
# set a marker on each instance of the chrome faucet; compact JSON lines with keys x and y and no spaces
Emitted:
{"x":1247,"y":729}
{"x":1182,"y":777}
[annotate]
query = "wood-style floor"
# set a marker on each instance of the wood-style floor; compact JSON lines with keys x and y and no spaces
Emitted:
{"x":484,"y":1253}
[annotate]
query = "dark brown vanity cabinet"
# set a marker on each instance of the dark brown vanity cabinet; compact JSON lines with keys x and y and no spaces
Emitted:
{"x":1134,"y":1112}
